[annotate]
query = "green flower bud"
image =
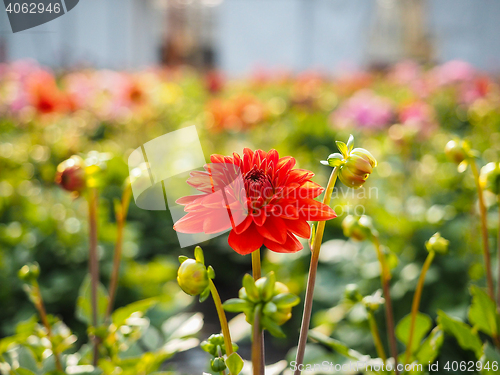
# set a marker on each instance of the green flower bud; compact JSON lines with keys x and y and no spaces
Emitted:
{"x":358,"y":228}
{"x":356,"y":169}
{"x":29,"y":272}
{"x":270,"y":297}
{"x":218,"y":364}
{"x":214,"y":343}
{"x":437,"y":244}
{"x":71,"y":174}
{"x":490,"y":177}
{"x":192,"y":277}
{"x":457,"y":151}
{"x":355,"y":165}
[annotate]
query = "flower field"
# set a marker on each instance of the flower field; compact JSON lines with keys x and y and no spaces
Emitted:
{"x":401,"y":250}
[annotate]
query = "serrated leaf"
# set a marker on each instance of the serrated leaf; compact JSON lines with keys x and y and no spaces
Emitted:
{"x":84,"y":305}
{"x":337,"y":346}
{"x":423,"y":324}
{"x":482,"y":312}
{"x":234,"y":363}
{"x":463,"y":333}
{"x":429,"y":349}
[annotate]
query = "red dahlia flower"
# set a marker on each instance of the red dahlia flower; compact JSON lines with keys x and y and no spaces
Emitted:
{"x":269,"y":201}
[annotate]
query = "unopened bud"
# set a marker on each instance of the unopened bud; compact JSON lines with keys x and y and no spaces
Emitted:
{"x":29,"y":272}
{"x":490,"y":177}
{"x":71,"y":174}
{"x":192,"y":277}
{"x":437,"y":244}
{"x":456,"y":151}
{"x":358,"y":228}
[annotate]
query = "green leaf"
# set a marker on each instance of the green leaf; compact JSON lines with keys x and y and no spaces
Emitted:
{"x":423,"y":324}
{"x":211,"y":272}
{"x":482,"y":312}
{"x":24,"y":371}
{"x":269,"y":308}
{"x":350,"y":143}
{"x":236,"y":305}
{"x":266,"y":289}
{"x":234,"y":363}
{"x":463,"y":333}
{"x":429,"y":349}
{"x":198,"y":255}
{"x":251,"y":288}
{"x":123,"y":313}
{"x":286,"y":300}
{"x":182,"y":258}
{"x":84,"y":305}
{"x":272,"y":327}
{"x":337,"y":346}
{"x":204,"y":295}
{"x":342,"y":148}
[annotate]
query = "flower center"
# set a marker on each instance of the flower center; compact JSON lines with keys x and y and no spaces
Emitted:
{"x":257,"y":184}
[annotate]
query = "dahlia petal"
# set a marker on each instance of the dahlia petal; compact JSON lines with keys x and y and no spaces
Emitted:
{"x":272,"y":157}
{"x":259,"y":218}
{"x":247,"y":241}
{"x":243,"y":226}
{"x":188,"y":199}
{"x":298,"y":227}
{"x":216,"y":158}
{"x":216,"y":222}
{"x":291,"y":245}
{"x":274,"y":230}
{"x":313,"y":210}
{"x":191,"y":223}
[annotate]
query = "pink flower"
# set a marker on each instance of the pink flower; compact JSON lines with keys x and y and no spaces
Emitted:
{"x":364,"y":109}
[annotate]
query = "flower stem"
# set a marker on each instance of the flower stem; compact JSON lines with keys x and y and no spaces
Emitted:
{"x":93,"y":263}
{"x":121,"y":216}
{"x":257,"y":364}
{"x":222,"y":318}
{"x":385,"y":278}
{"x":311,"y":280}
{"x":416,"y":302}
{"x":376,"y":337}
{"x":484,"y":230}
{"x":257,"y":334}
{"x":498,"y":255}
{"x":45,"y":321}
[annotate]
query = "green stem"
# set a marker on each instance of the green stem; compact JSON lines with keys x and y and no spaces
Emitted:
{"x":416,"y":302}
{"x":121,"y":216}
{"x":376,"y":337}
{"x":385,"y":278}
{"x":257,"y":364}
{"x":257,"y":333}
{"x":93,"y":264}
{"x":498,"y":255}
{"x":311,"y":280}
{"x":45,"y":321}
{"x":484,"y":230}
{"x":222,"y":318}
